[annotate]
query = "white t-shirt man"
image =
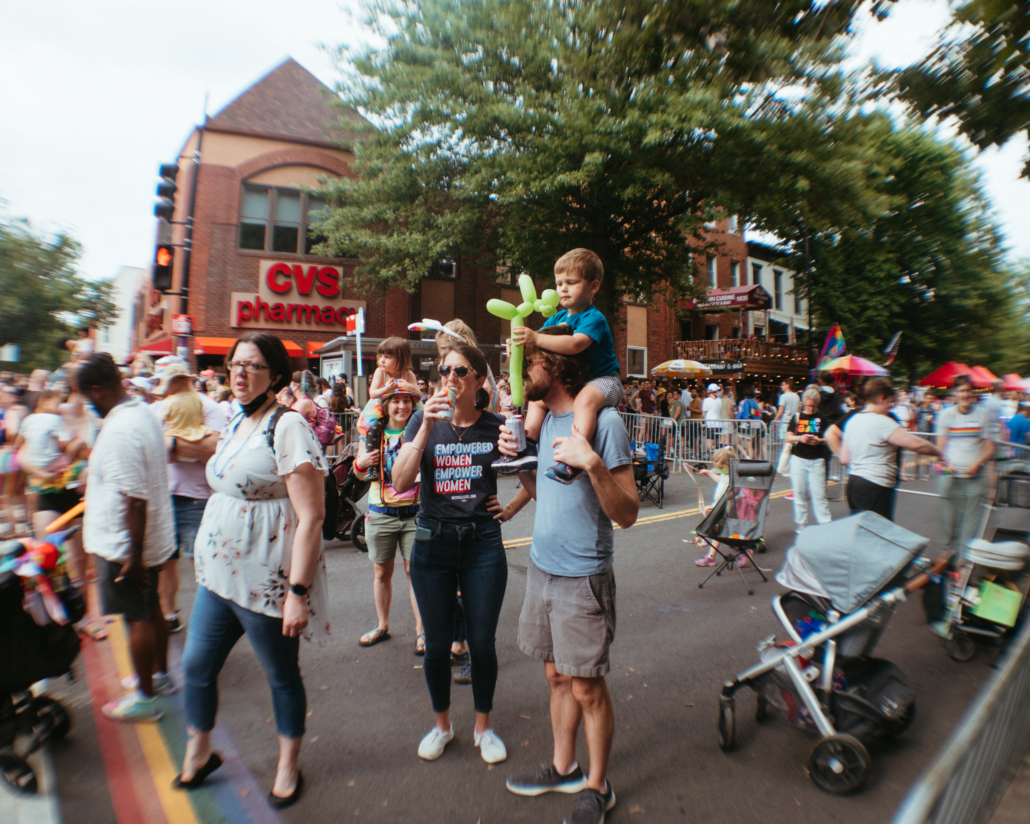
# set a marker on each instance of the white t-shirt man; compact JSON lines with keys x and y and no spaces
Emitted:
{"x":790,"y":403}
{"x":872,"y":457}
{"x":711,"y":408}
{"x":188,"y":478}
{"x":128,"y":461}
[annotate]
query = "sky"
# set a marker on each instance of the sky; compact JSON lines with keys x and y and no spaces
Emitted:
{"x":96,"y":95}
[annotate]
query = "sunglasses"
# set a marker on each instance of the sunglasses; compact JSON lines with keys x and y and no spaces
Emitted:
{"x":460,"y":371}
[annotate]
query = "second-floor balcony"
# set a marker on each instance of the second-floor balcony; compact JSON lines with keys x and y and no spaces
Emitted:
{"x":757,"y":356}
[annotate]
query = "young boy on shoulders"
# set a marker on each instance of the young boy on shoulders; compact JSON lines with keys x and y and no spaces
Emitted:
{"x":577,"y":276}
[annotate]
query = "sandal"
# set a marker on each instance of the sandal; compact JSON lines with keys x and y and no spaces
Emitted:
{"x":374,"y":636}
{"x":214,"y":761}
{"x":420,"y":644}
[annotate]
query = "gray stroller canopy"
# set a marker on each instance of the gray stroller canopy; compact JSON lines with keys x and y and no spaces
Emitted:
{"x":848,"y":561}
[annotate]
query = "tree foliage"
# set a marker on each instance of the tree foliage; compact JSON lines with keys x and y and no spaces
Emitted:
{"x":42,"y":297}
{"x":978,"y":73}
{"x":518,"y":130}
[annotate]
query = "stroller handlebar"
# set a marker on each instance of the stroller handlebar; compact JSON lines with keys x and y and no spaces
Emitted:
{"x":936,"y":568}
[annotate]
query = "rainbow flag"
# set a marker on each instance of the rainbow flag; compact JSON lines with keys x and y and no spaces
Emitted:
{"x":833,"y":348}
{"x":891,"y":352}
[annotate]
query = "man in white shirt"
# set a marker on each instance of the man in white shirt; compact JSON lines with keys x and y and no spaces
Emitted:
{"x":711,"y":410}
{"x":187,"y":479}
{"x":128,"y":528}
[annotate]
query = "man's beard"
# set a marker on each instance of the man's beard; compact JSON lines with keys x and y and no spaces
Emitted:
{"x":536,"y":391}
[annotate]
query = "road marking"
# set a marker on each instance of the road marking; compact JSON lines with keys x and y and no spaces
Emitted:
{"x":650,"y":519}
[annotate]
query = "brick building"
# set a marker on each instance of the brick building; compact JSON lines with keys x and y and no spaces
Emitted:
{"x":251,"y":266}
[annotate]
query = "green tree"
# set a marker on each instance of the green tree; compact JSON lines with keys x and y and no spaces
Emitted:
{"x":42,"y":298}
{"x":931,"y":265}
{"x":977,"y":73}
{"x":517,"y":130}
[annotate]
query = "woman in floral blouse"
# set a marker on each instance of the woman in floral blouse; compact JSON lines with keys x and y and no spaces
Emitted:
{"x":259,"y":561}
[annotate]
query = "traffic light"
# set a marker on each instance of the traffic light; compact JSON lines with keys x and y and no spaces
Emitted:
{"x":163,"y":259}
{"x":166,"y":190}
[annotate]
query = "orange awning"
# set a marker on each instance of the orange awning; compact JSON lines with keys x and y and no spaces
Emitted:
{"x":293,"y":350}
{"x":314,"y":345}
{"x":212,"y":346}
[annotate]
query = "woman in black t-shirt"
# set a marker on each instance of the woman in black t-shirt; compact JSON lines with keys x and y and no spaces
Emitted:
{"x":807,"y":464}
{"x":457,"y":540}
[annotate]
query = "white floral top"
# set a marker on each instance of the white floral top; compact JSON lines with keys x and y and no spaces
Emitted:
{"x":245,"y":542}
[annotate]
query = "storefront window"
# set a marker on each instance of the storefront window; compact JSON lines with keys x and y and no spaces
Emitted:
{"x":254,"y":217}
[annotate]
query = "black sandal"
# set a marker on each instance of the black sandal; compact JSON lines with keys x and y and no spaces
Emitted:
{"x":277,"y":802}
{"x":214,"y":761}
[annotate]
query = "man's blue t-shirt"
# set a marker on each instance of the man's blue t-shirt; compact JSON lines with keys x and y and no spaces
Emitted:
{"x":572,"y":536}
{"x":592,"y":324}
{"x":1019,"y":425}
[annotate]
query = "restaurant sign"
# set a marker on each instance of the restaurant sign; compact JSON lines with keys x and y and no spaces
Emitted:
{"x":295,"y":296}
{"x":723,"y":367}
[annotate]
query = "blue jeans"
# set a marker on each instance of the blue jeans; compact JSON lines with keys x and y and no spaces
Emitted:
{"x":215,"y":626}
{"x":189,"y":512}
{"x":471,"y":557}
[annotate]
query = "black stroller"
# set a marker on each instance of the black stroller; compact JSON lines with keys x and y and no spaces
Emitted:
{"x":737,"y":519}
{"x":30,"y":652}
{"x":845,"y":579}
{"x":352,"y":489}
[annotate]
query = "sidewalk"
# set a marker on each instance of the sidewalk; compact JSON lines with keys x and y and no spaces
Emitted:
{"x":1015,"y":805}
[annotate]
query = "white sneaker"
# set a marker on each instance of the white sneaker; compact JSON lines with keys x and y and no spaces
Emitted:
{"x":162,"y":683}
{"x":433,"y":744}
{"x":490,"y":746}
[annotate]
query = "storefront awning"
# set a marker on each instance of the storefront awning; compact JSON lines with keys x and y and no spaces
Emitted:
{"x":293,"y":350}
{"x":212,"y":346}
{"x":734,"y":299}
{"x":158,"y":347}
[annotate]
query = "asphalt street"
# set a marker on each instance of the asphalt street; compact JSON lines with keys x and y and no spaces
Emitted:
{"x":674,"y":645}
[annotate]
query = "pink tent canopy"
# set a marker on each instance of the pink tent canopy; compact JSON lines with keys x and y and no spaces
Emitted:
{"x":983,"y":378}
{"x":1014,"y":383}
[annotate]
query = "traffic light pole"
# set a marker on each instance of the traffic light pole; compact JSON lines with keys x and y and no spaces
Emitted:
{"x":182,"y":347}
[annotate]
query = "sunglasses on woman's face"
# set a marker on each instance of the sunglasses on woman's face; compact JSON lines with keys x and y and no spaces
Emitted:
{"x":460,"y":371}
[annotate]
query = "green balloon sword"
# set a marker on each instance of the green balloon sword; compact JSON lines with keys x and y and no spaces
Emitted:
{"x":546,"y":305}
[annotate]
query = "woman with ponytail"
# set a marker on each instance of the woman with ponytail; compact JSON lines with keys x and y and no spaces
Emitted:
{"x":457,"y":539}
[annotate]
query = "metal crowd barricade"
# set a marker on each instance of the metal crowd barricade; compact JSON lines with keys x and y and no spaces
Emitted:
{"x":348,"y":423}
{"x":693,"y":441}
{"x":967,"y":780}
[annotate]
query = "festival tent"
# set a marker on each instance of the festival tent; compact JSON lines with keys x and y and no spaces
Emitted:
{"x":945,"y":376}
{"x":1014,"y":383}
{"x":983,"y":378}
{"x":853,"y":365}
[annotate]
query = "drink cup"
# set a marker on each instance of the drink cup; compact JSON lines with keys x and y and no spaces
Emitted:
{"x":448,"y":414}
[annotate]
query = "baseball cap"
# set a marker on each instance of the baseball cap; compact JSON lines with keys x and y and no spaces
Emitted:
{"x":713,"y":387}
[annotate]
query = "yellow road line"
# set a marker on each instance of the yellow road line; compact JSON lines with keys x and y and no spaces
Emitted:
{"x":650,"y":519}
{"x":176,"y":804}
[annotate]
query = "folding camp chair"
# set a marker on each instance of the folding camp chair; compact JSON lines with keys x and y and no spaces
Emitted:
{"x":737,"y":519}
{"x":651,"y":471}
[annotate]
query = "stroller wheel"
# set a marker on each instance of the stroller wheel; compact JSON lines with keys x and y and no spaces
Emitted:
{"x":960,"y":646}
{"x":357,"y":534}
{"x":53,"y":716}
{"x":17,"y":773}
{"x":839,"y":764}
{"x":727,"y":727}
{"x":761,"y":707}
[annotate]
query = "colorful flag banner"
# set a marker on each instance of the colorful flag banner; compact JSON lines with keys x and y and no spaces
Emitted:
{"x":891,"y":351}
{"x":834,"y":347}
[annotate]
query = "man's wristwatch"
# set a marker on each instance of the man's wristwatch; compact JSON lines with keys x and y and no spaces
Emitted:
{"x":299,"y":589}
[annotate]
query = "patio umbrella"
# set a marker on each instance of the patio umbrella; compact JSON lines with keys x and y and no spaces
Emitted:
{"x":853,"y":365}
{"x":983,"y":378}
{"x":945,"y":375}
{"x":680,"y":368}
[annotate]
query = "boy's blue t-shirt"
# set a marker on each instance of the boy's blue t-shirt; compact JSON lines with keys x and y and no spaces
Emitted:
{"x":592,"y":324}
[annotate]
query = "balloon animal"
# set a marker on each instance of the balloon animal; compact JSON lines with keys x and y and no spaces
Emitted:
{"x":546,"y":306}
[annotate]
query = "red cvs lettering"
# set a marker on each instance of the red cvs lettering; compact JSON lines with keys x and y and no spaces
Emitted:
{"x":271,"y":278}
{"x":304,"y":282}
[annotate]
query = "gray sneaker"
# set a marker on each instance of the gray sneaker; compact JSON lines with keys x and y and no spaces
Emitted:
{"x":591,"y":807}
{"x":463,"y":663}
{"x":547,"y":780}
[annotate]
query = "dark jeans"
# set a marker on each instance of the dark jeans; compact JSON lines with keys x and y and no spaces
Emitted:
{"x":470,"y":557}
{"x":865,"y":496}
{"x":215,"y":626}
{"x":189,"y":512}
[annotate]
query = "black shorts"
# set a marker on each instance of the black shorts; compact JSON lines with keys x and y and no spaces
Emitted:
{"x":865,"y":496}
{"x":123,"y":597}
{"x":59,"y":501}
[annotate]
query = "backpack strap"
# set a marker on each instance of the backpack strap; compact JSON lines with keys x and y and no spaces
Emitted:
{"x":273,"y":421}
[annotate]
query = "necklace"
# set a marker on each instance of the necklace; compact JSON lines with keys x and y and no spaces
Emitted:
{"x":225,"y":463}
{"x":464,"y":432}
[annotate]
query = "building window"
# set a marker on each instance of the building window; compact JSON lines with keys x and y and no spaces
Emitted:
{"x":731,"y":225}
{"x":636,"y":362}
{"x":505,"y":275}
{"x":287,"y":211}
{"x":777,"y":289}
{"x":711,"y":331}
{"x":756,"y":274}
{"x":735,"y":271}
{"x":711,"y":273}
{"x":447,"y":268}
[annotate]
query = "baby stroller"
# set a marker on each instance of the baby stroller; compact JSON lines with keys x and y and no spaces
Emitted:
{"x":985,"y":596}
{"x":737,"y":519}
{"x":845,"y":578}
{"x":352,"y":489}
{"x":33,"y":647}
